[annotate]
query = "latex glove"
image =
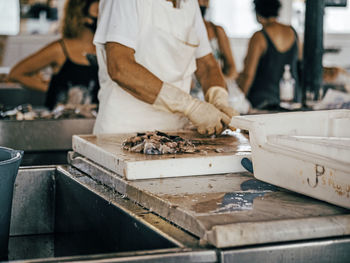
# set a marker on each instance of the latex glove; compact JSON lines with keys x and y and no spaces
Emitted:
{"x":203,"y":115}
{"x":218,"y":96}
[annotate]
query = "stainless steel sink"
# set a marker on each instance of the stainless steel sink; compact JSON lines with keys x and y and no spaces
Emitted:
{"x":59,"y":212}
{"x":61,"y":215}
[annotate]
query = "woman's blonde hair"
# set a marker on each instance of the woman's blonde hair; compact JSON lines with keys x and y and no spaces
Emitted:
{"x":75,"y":12}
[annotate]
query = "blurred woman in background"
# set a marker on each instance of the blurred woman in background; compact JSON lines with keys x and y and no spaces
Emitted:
{"x":221,"y":49}
{"x":220,"y":44}
{"x":71,"y":58}
{"x":269,"y":50}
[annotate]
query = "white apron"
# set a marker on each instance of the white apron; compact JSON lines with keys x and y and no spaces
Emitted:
{"x":166,"y":47}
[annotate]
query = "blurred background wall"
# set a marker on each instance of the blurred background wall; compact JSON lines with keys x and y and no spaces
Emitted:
{"x":37,"y":28}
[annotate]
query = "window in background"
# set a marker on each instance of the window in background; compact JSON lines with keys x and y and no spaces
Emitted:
{"x":237,"y":17}
{"x":40,"y":16}
{"x":9,"y":18}
{"x":336,"y":19}
{"x":298,"y":15}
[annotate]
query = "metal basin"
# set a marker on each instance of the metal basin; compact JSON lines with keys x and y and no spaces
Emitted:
{"x":12,"y":95}
{"x":44,"y":142}
{"x":61,"y":213}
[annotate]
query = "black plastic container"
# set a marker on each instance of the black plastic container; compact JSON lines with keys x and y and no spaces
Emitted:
{"x":9,"y":164}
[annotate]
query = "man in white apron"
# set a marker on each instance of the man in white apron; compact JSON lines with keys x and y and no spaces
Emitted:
{"x":147,"y":51}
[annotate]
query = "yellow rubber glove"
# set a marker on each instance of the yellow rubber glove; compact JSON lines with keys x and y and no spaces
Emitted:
{"x":218,"y":96}
{"x":204,"y":116}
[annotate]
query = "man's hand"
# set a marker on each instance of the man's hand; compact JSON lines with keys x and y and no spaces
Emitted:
{"x":203,"y":115}
{"x":206,"y":117}
{"x":218,"y":96}
{"x":209,"y":75}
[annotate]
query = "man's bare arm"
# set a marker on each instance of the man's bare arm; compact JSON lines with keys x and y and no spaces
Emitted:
{"x":142,"y":84}
{"x":131,"y":76}
{"x":208,"y":73}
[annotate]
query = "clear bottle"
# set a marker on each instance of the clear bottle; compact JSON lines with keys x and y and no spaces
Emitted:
{"x":287,"y":87}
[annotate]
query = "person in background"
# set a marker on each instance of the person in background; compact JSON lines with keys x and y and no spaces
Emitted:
{"x":2,"y":47}
{"x":147,"y":51}
{"x":336,"y":77}
{"x":269,"y":50}
{"x":221,"y":50}
{"x":220,"y":44}
{"x":71,"y":58}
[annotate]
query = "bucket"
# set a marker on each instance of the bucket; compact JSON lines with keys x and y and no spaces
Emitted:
{"x":9,"y":164}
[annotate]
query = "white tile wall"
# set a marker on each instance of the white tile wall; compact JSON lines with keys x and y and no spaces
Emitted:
{"x":19,"y":47}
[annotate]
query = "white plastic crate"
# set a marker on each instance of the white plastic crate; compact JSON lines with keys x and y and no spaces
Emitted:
{"x":306,"y":152}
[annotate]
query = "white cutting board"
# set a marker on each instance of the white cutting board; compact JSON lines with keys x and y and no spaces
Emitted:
{"x":219,"y":155}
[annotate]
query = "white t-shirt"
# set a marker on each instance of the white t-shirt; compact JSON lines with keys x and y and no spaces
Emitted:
{"x":119,"y":22}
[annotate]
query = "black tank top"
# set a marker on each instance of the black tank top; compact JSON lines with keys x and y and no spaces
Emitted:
{"x":73,"y":76}
{"x":264,"y":92}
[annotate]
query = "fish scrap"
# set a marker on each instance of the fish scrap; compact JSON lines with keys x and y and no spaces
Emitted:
{"x":157,"y":143}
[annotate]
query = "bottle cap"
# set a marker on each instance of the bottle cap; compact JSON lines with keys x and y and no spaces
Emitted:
{"x":287,"y":74}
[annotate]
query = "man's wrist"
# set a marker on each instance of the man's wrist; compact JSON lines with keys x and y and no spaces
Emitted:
{"x":173,"y":99}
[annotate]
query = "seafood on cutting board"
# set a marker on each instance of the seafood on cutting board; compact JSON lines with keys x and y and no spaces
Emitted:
{"x":158,"y":143}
